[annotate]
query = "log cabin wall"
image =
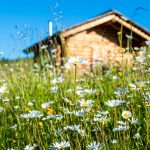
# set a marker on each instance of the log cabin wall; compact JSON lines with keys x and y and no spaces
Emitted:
{"x":97,"y":44}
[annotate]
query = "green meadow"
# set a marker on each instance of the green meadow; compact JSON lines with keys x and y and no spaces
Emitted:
{"x":48,"y":107}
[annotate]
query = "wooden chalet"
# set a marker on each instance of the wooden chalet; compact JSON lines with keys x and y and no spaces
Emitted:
{"x":103,"y":38}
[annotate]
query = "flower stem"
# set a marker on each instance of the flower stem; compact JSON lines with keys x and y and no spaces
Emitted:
{"x":75,"y":77}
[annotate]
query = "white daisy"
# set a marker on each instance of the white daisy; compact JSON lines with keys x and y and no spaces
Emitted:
{"x":126,"y":114}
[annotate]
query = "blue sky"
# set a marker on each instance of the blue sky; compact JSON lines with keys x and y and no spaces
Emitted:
{"x":24,"y":22}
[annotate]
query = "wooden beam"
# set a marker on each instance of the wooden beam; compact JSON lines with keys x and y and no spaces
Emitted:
{"x":125,"y":31}
{"x":86,"y":26}
{"x":96,"y":22}
{"x":131,"y":27}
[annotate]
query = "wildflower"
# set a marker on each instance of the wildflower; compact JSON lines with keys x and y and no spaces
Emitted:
{"x":57,"y":80}
{"x":59,"y":132}
{"x":90,"y":91}
{"x":67,"y":100}
{"x":95,"y":91}
{"x":54,"y":89}
{"x":103,"y":119}
{"x":48,"y":117}
{"x":68,"y":66}
{"x":114,"y":141}
{"x":81,"y":132}
{"x":126,"y":114}
{"x":141,"y":84}
{"x":44,"y":47}
{"x":60,"y":145}
{"x":104,"y":112}
{"x":123,"y":50}
{"x":30,"y":103}
{"x":129,"y":36}
{"x":137,"y":136}
{"x":16,"y":107}
{"x":45,"y":105}
{"x":27,"y":109}
{"x":139,"y":59}
{"x":18,"y":97}
{"x":6,"y":100}
{"x":14,"y":126}
{"x":132,"y":87}
{"x":121,"y":128}
{"x":31,"y":114}
{"x":100,"y":114}
{"x":50,"y":111}
{"x":11,"y":70}
{"x":137,"y":87}
{"x":95,"y":146}
{"x":1,"y":109}
{"x":80,"y":80}
{"x":127,"y":48}
{"x":30,"y":147}
{"x":69,"y":90}
{"x":120,"y":74}
{"x":59,"y":117}
{"x":75,"y":60}
{"x":119,"y":33}
{"x":3,"y":88}
{"x":121,"y":91}
{"x":147,"y":104}
{"x":121,"y":123}
{"x":147,"y":99}
{"x":134,"y":121}
{"x":115,"y":103}
{"x":147,"y":43}
{"x":14,"y":141}
{"x":73,"y":128}
{"x":115,"y":77}
{"x":135,"y":68}
{"x":86,"y":104}
{"x":40,"y":124}
{"x":80,"y":92}
{"x":66,"y":111}
{"x":136,"y":48}
{"x":80,"y":112}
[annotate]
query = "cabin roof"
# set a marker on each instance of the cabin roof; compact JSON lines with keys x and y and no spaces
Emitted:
{"x":110,"y":15}
{"x":111,"y":12}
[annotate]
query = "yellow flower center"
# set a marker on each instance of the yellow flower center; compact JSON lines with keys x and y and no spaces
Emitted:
{"x":119,"y":33}
{"x":50,"y":111}
{"x":147,"y":104}
{"x":40,"y":124}
{"x":14,"y":141}
{"x":27,"y":109}
{"x":139,"y":86}
{"x":123,"y":50}
{"x":131,"y":89}
{"x":126,"y":115}
{"x":85,"y":105}
{"x":75,"y":62}
{"x":120,"y":74}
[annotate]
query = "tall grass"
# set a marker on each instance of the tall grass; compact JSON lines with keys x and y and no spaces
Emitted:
{"x":40,"y":109}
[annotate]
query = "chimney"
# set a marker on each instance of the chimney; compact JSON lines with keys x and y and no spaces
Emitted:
{"x":50,"y":28}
